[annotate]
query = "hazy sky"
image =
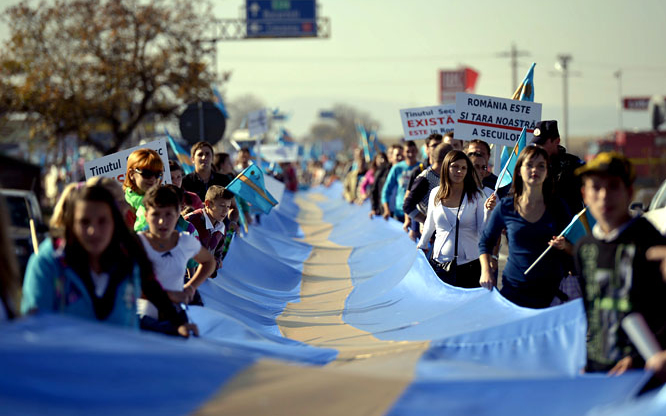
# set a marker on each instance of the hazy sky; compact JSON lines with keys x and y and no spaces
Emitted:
{"x":384,"y":55}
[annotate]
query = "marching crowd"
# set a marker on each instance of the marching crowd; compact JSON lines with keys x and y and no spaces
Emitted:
{"x":135,"y":255}
{"x":451,"y":207}
{"x":132,"y":255}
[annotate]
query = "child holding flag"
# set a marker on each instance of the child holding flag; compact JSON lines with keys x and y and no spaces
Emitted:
{"x":210,"y":222}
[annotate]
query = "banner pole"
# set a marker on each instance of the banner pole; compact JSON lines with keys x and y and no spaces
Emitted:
{"x":497,"y":159}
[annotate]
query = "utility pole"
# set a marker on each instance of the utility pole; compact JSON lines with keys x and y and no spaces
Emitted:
{"x":563,"y":67}
{"x":514,"y":54}
{"x":618,"y":75}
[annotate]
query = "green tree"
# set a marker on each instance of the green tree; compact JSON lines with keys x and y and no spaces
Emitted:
{"x":71,"y":66}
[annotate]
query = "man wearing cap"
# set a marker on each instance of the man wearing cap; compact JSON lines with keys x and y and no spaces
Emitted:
{"x":562,"y":164}
{"x":615,"y":275}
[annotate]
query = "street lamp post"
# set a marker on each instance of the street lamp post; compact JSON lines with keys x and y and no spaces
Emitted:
{"x":618,"y":75}
{"x":563,"y":66}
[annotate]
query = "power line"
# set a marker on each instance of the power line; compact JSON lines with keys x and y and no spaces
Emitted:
{"x":614,"y":66}
{"x":317,"y":59}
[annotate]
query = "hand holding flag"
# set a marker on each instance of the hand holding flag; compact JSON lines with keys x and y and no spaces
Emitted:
{"x":580,"y":226}
{"x":574,"y":222}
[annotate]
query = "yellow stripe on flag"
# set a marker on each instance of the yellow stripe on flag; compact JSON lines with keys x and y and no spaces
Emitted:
{"x":257,"y":189}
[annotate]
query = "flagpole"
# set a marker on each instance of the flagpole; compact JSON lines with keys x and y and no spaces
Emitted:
{"x":497,"y":159}
{"x":567,"y":228}
{"x":503,"y":172}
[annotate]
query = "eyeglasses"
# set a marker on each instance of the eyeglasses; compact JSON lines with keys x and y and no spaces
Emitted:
{"x":147,"y":174}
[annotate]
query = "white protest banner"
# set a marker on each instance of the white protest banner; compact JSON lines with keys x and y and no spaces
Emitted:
{"x":495,"y":120}
{"x":115,"y":165}
{"x":279,"y":153}
{"x":257,"y":122}
{"x":419,"y":123}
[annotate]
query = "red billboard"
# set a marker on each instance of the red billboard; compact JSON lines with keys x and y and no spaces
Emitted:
{"x":453,"y":81}
{"x":635,"y":103}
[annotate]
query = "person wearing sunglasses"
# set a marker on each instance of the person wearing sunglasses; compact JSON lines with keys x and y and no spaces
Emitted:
{"x":144,"y":170}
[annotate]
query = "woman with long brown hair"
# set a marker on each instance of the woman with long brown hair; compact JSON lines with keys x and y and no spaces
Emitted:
{"x":98,"y":270}
{"x":456,"y":214}
{"x":531,"y":216}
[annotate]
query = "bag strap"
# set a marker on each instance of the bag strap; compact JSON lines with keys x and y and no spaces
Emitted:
{"x":455,"y":251}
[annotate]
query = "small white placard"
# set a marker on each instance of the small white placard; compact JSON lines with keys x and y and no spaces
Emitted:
{"x":419,"y":123}
{"x":115,"y":164}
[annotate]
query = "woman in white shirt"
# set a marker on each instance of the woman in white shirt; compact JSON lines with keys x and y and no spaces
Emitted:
{"x":458,"y":195}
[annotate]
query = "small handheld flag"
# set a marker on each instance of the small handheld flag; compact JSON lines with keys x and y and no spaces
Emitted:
{"x":567,"y":229}
{"x":506,"y":175}
{"x":249,"y":185}
{"x":219,"y":102}
{"x":182,"y":155}
{"x":581,"y":226}
{"x":284,"y":138}
{"x":525,"y":91}
{"x":365,"y":142}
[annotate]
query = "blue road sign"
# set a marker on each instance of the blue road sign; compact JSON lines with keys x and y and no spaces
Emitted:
{"x":281,"y":18}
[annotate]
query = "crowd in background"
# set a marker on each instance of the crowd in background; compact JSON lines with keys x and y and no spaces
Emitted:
{"x":450,"y":205}
{"x":135,"y":255}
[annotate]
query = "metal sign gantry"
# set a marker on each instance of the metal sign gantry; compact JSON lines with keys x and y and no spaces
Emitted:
{"x":236,"y":29}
